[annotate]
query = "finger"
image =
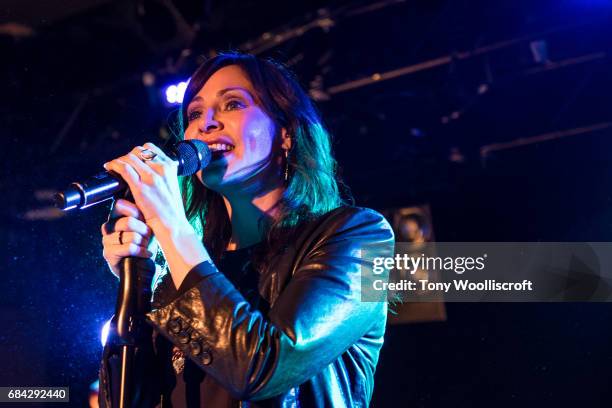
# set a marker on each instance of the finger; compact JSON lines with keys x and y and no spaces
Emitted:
{"x":126,"y":171}
{"x":126,"y":208}
{"x":152,"y":168}
{"x":131,"y":224}
{"x":108,"y":227}
{"x":122,"y":238}
{"x":136,"y":162}
{"x":120,"y":208}
{"x":159,"y":152}
{"x":140,"y":151}
{"x":121,"y":251}
{"x":145,"y":171}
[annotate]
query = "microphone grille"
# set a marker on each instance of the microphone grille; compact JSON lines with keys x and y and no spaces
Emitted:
{"x":192,"y":155}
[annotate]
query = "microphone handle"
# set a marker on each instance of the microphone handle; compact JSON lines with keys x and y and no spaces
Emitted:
{"x":101,"y":187}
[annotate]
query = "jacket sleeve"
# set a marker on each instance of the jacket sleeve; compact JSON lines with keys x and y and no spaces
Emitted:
{"x":316,"y":318}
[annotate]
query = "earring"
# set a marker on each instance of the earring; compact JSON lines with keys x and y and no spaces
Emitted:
{"x":286,"y":164}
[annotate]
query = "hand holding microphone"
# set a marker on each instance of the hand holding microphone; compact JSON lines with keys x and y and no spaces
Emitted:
{"x":190,"y":156}
{"x":151,"y":176}
{"x":125,"y":234}
{"x":152,"y":179}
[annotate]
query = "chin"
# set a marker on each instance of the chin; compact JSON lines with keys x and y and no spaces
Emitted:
{"x":212,"y":181}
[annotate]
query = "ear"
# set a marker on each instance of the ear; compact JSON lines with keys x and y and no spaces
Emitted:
{"x":286,"y":141}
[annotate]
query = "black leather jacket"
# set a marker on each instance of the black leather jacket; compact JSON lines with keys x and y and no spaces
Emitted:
{"x":317,"y":347}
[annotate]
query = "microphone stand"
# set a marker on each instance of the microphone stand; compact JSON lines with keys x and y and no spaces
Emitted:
{"x":133,"y":302}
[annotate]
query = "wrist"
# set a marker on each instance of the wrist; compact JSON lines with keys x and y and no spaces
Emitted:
{"x":182,"y":248}
{"x":167,"y":230}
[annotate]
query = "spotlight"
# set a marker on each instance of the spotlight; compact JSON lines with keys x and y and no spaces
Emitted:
{"x":175,"y":92}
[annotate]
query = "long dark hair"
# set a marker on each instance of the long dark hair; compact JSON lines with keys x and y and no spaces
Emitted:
{"x":311,"y":188}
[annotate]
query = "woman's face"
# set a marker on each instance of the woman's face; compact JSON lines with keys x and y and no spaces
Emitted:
{"x":242,"y":136}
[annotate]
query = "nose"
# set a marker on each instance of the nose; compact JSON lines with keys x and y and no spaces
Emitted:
{"x":209,"y":122}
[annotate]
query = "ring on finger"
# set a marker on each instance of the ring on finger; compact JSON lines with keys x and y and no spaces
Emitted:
{"x":147,"y":155}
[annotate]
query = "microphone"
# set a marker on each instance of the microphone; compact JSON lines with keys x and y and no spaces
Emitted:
{"x":191,"y":155}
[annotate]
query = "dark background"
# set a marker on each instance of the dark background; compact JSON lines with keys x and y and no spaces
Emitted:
{"x":73,"y":97}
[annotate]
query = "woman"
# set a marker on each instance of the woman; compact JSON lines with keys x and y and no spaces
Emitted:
{"x":260,"y":304}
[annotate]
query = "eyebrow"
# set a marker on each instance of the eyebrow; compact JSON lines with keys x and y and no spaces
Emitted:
{"x":223,"y":92}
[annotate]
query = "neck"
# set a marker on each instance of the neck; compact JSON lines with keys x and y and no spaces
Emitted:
{"x":249,"y":215}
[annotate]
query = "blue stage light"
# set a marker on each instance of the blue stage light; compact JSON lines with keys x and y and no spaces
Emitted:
{"x":175,"y":92}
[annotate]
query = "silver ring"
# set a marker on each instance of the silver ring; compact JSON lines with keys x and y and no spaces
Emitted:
{"x":120,"y":237}
{"x":147,"y":155}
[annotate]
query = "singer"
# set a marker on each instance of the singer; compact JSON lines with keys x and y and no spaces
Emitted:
{"x":258,"y":301}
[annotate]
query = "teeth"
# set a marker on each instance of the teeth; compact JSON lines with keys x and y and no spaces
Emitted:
{"x":220,"y":147}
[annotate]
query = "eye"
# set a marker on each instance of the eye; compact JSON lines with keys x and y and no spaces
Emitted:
{"x":234,"y":104}
{"x":193,"y":115}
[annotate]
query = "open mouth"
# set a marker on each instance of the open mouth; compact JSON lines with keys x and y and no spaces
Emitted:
{"x":218,"y":150}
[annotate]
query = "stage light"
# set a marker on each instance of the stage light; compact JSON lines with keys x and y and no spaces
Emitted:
{"x":175,"y":92}
{"x":105,"y":330}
